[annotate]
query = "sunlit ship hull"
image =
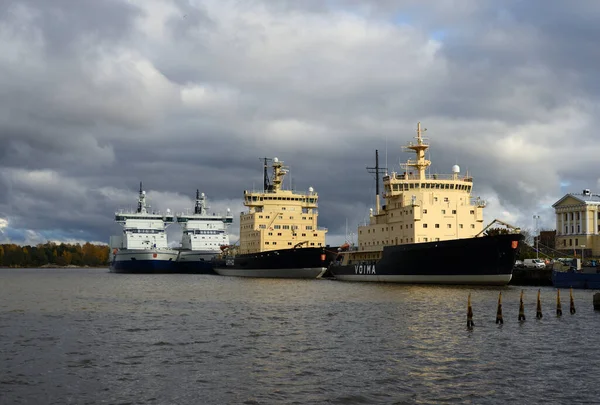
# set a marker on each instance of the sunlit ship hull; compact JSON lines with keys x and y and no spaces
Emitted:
{"x":196,"y":262}
{"x":283,"y":263}
{"x":487,"y":260}
{"x":144,"y":261}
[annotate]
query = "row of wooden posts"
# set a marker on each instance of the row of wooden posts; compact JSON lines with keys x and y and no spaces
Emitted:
{"x":538,"y":311}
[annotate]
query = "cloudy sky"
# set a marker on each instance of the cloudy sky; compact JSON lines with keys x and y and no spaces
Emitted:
{"x":98,"y":95}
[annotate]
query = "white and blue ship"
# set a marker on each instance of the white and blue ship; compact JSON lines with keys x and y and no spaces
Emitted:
{"x":143,"y":246}
{"x":204,"y":236}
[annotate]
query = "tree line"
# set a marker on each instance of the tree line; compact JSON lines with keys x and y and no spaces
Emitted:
{"x":50,"y":253}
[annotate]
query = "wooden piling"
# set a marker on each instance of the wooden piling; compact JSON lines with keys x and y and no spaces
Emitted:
{"x":572,"y":305}
{"x":470,"y":323}
{"x":558,"y":306}
{"x":538,"y":310}
{"x":499,"y":310}
{"x":521,"y":308}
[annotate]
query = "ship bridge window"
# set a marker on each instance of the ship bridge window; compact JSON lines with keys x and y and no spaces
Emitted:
{"x":451,"y":186}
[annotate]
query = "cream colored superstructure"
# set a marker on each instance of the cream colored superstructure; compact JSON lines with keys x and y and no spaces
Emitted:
{"x":578,"y":223}
{"x":278,"y":218}
{"x":420,"y":207}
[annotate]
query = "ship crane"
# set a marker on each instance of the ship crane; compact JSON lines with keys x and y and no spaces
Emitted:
{"x":513,"y":228}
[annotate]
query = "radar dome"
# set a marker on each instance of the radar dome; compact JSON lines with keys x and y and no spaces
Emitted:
{"x":168,"y":210}
{"x":310,"y":189}
{"x":455,"y":169}
{"x":202,"y":194}
{"x":143,"y":193}
{"x":228,"y":209}
{"x":275,"y":160}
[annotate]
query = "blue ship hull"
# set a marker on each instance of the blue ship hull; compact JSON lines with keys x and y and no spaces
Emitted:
{"x":563,"y":279}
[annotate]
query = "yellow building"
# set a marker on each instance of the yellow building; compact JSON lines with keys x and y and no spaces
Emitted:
{"x":422,"y":207}
{"x":577,"y":228}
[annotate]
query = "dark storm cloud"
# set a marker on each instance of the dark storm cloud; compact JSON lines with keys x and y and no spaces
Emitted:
{"x":99,"y":95}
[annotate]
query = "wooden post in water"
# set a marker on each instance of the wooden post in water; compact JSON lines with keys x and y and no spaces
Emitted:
{"x":499,"y":310}
{"x":596,"y":301}
{"x":470,"y":323}
{"x":538,"y":310}
{"x":558,"y":306}
{"x":572,"y":306}
{"x":521,"y":308}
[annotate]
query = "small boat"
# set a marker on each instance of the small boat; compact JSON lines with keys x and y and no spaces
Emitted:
{"x":569,"y":273}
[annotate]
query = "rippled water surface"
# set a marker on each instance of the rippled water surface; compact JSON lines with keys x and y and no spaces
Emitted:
{"x":86,"y":336}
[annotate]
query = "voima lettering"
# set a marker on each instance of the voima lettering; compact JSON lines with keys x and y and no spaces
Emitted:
{"x":364,"y":269}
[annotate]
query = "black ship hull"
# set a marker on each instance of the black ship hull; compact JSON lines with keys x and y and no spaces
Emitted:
{"x":486,"y":260}
{"x":284,"y":263}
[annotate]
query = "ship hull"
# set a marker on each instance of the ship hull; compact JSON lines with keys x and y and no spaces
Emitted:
{"x":144,"y":261}
{"x":487,"y":260}
{"x":196,"y":262}
{"x":561,"y":279}
{"x":283,"y":263}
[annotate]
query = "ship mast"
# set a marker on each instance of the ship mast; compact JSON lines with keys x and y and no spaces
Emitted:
{"x":267,"y":187}
{"x":377,"y":171}
{"x":141,"y":208}
{"x":421,"y":164}
{"x":278,"y":172}
{"x":200,"y":207}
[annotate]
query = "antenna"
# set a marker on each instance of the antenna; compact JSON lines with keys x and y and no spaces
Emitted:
{"x":377,"y":171}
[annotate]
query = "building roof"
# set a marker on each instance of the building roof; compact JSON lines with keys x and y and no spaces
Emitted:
{"x":581,"y":197}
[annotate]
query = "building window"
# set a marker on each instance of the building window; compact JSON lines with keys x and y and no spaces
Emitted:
{"x":445,"y":199}
{"x":472,"y":212}
{"x":564,"y":242}
{"x":570,"y":242}
{"x":578,"y":228}
{"x":472,"y":226}
{"x":572,"y":229}
{"x":437,"y":225}
{"x":443,"y":212}
{"x":578,"y":218}
{"x":460,"y":226}
{"x":576,"y":242}
{"x":566,"y":229}
{"x":454,"y":212}
{"x":425,"y":211}
{"x":424,"y":239}
{"x":424,"y":225}
{"x":449,"y":226}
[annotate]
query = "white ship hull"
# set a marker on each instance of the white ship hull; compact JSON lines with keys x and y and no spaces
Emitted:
{"x":144,"y":261}
{"x":196,"y":261}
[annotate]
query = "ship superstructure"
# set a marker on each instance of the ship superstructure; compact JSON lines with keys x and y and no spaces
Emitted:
{"x":204,"y":235}
{"x":279,"y":234}
{"x":429,"y":230}
{"x":420,"y":207}
{"x":143,"y":246}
